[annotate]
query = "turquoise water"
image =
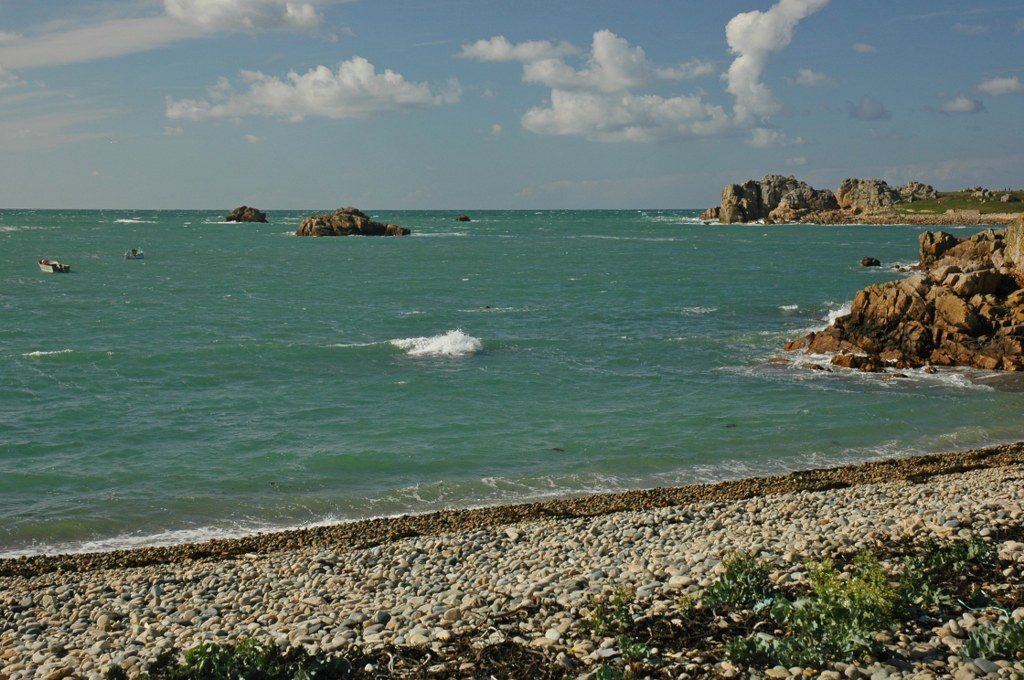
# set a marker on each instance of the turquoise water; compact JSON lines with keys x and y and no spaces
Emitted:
{"x":240,"y":378}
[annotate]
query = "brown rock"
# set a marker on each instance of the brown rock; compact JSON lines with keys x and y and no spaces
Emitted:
{"x":870,"y":262}
{"x":347,"y":222}
{"x":244,"y":213}
{"x":463,"y":218}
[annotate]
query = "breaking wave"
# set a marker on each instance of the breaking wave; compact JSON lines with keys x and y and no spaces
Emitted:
{"x":454,"y":343}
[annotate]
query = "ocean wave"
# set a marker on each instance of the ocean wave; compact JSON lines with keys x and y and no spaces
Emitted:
{"x":789,"y":308}
{"x":834,"y":314}
{"x":421,"y":234}
{"x":134,"y":220}
{"x":698,"y":311}
{"x":488,"y":309}
{"x":47,"y":353}
{"x":11,"y":228}
{"x":650,"y":239}
{"x":454,"y":343}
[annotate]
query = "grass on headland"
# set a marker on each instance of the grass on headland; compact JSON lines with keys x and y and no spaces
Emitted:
{"x":964,"y":200}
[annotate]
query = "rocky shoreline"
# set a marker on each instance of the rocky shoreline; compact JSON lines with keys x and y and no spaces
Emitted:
{"x":519,"y":581}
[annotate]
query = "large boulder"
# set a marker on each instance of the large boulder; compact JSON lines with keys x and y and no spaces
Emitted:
{"x":741,"y":203}
{"x":916,"y":191}
{"x":866,"y":195}
{"x":963,"y":307}
{"x":347,"y":222}
{"x":1014,"y":249}
{"x":245,"y":213}
{"x":800,"y":201}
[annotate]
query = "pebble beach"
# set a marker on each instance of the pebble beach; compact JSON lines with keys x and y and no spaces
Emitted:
{"x":513,"y":575}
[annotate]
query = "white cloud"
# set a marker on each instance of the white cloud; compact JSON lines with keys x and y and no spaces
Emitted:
{"x":354,"y":90}
{"x":8,"y":79}
{"x":809,"y":78}
{"x":868,"y":109}
{"x":970,"y":29}
{"x":752,"y":37}
{"x":180,"y":20}
{"x":495,"y":129}
{"x":499,"y":48}
{"x":597,"y":101}
{"x":764,"y":138}
{"x":170,"y":131}
{"x":625,"y":117}
{"x":962,"y":104}
{"x":244,"y":15}
{"x":1000,"y":86}
{"x":252,"y":139}
{"x":48,"y":130}
{"x":864,"y":48}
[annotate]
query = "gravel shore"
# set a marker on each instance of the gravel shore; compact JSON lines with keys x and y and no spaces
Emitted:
{"x":515,"y":574}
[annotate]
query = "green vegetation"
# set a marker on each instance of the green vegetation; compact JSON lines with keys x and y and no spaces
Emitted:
{"x":965,"y":200}
{"x":248,"y":660}
{"x":745,"y":583}
{"x":931,"y":578}
{"x":838,"y":622}
{"x":610,"y":615}
{"x":1005,"y":641}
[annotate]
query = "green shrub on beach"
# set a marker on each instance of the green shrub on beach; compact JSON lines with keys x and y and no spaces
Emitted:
{"x":929,"y":578}
{"x":249,"y":660}
{"x":744,"y":583}
{"x":612,"y":614}
{"x":838,"y":622}
{"x":1004,"y":641}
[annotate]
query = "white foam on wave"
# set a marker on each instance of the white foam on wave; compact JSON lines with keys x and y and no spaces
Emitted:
{"x":649,"y":239}
{"x":789,"y":308}
{"x":11,"y":228}
{"x":134,"y":220}
{"x":697,"y":311}
{"x":421,"y":234}
{"x":47,"y":353}
{"x":834,"y":314}
{"x":454,"y":343}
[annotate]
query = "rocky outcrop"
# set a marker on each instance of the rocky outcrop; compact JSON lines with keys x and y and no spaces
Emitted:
{"x":347,"y":222}
{"x":753,"y":200}
{"x":963,"y":307}
{"x":801,"y":201}
{"x":463,"y":218}
{"x":244,"y":213}
{"x":870,"y":262}
{"x":865,"y":195}
{"x":916,"y":191}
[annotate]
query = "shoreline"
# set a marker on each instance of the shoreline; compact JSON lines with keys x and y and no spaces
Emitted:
{"x":365,"y":533}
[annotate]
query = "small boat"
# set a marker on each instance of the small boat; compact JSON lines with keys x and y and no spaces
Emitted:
{"x":51,"y":266}
{"x":134,"y":254}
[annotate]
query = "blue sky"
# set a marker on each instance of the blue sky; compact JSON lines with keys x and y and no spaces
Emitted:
{"x":470,"y":104}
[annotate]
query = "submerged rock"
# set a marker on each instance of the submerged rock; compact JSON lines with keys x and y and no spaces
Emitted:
{"x":463,"y":218}
{"x":245,"y":213}
{"x":963,"y":307}
{"x":870,"y":262}
{"x":347,"y":222}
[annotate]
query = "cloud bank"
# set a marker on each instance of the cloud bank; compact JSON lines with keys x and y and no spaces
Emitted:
{"x":997,"y":87}
{"x":354,"y":90}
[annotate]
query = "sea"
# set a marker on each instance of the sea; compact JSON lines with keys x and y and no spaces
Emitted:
{"x":241,"y":379}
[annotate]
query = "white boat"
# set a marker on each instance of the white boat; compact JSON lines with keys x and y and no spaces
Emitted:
{"x":134,"y":254}
{"x":51,"y":266}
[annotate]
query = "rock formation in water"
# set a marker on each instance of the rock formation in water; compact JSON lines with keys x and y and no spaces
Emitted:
{"x":964,"y":306}
{"x":785,"y":199}
{"x":245,"y":213}
{"x":870,"y":262}
{"x":463,"y":218}
{"x":347,"y":222}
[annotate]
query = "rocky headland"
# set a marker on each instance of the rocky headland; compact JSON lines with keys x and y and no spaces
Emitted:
{"x":777,"y":199}
{"x":963,"y":305}
{"x":245,"y":213}
{"x":347,"y":222}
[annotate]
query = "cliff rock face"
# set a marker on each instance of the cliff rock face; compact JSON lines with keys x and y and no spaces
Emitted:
{"x":245,"y":213}
{"x":347,"y":222}
{"x":963,"y":307}
{"x":803,"y":200}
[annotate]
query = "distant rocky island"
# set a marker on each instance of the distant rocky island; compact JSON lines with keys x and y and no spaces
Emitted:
{"x":964,"y":306}
{"x":780,"y":199}
{"x":245,"y":213}
{"x":347,"y":222}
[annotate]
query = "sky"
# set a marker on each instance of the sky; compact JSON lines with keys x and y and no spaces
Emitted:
{"x":518,"y":104}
